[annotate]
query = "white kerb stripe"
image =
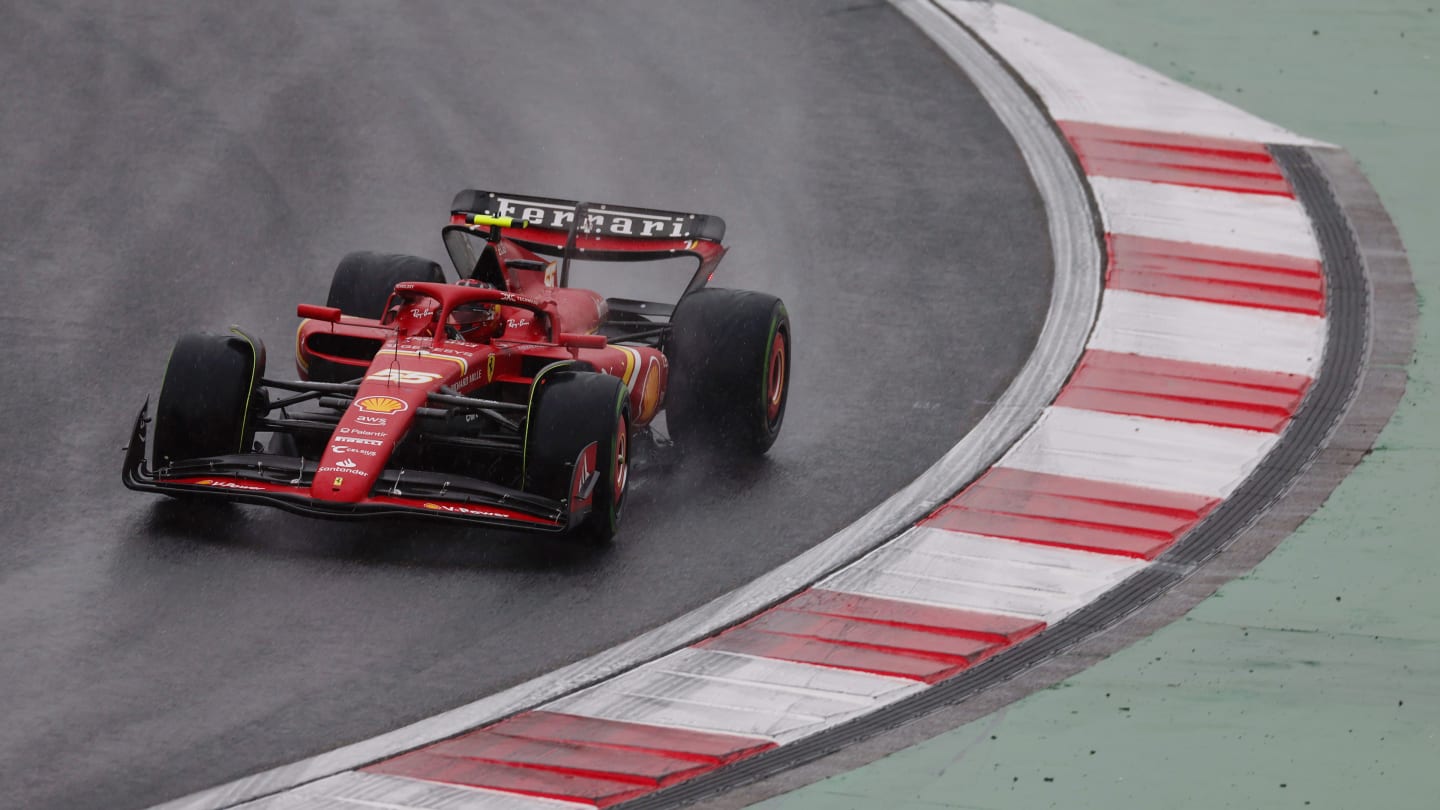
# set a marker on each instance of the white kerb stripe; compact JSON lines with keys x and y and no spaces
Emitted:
{"x":1259,"y":222}
{"x":1204,"y":332}
{"x":750,"y":696}
{"x":788,"y":676}
{"x":1080,"y":81}
{"x":986,"y":574}
{"x":1142,"y":452}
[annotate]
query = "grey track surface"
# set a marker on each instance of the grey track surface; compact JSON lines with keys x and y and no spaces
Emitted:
{"x":1073,"y":299}
{"x":207,"y":164}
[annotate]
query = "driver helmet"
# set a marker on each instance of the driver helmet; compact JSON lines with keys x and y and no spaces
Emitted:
{"x":477,"y":321}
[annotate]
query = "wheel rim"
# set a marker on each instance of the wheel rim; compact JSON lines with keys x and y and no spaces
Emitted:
{"x":775,"y":384}
{"x":622,"y":464}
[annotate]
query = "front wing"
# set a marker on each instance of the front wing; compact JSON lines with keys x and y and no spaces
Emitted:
{"x":284,"y":482}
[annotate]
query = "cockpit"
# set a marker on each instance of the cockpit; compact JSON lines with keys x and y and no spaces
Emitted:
{"x":476,"y":322}
{"x":414,"y":314}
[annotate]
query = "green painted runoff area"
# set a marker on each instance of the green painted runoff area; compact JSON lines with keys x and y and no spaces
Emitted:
{"x":1315,"y":680}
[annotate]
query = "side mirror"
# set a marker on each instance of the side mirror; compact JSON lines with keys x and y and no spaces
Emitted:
{"x":574,"y":341}
{"x":318,"y":313}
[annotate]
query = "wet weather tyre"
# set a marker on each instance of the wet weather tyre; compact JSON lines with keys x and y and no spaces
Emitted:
{"x":570,"y":410}
{"x":729,"y":356}
{"x":361,"y":285}
{"x":363,"y":280}
{"x":207,"y":398}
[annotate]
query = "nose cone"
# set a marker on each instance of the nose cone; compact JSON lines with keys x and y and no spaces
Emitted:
{"x":362,"y":443}
{"x":400,"y":380}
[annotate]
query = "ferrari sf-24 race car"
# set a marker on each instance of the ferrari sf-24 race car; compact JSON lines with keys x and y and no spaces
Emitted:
{"x":514,"y":397}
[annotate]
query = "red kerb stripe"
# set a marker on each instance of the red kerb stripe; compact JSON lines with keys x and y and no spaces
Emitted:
{"x":565,"y":756}
{"x":829,"y":654}
{"x":1186,"y":160}
{"x":575,"y":758}
{"x":873,"y":634}
{"x":1186,"y":392}
{"x":870,"y":636}
{"x":935,"y":619}
{"x":703,"y":746}
{"x":1220,"y":275}
{"x":527,"y":781}
{"x":1076,"y":513}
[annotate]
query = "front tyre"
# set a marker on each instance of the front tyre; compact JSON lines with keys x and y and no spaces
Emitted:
{"x":206,"y":400}
{"x":570,"y":411}
{"x":729,"y":355}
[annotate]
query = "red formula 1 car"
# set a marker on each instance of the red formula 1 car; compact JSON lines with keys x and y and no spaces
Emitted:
{"x":516,"y":397}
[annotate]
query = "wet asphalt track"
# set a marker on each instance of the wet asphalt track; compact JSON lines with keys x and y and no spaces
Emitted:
{"x":207,"y":164}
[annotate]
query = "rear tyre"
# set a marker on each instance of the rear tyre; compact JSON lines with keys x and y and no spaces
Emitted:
{"x":363,"y":280}
{"x":206,"y":400}
{"x":729,"y":356}
{"x":361,"y":285}
{"x":569,"y":411}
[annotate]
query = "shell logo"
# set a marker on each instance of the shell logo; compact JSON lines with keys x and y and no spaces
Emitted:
{"x":386,"y":405}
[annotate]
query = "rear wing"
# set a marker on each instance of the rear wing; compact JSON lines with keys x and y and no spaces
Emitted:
{"x":600,"y":219}
{"x":590,"y":231}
